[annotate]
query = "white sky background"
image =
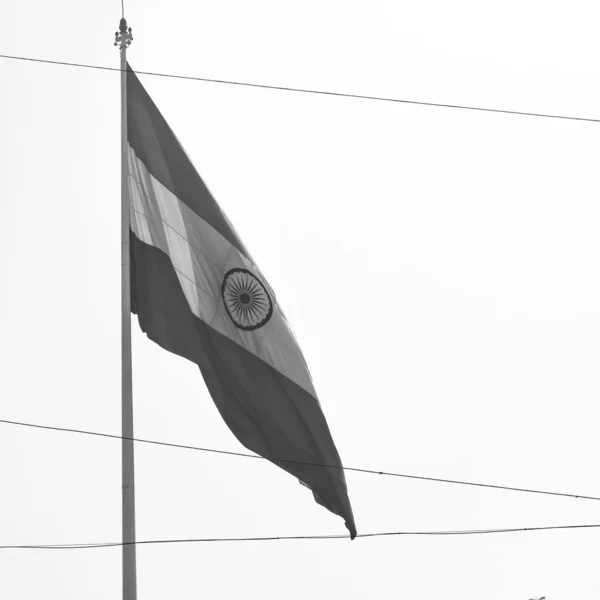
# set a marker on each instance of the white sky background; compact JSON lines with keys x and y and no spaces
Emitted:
{"x":439,"y":267}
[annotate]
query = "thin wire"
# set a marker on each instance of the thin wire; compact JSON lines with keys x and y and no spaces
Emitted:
{"x":309,"y":91}
{"x":123,"y":8}
{"x":291,"y":537}
{"x":279,"y":460}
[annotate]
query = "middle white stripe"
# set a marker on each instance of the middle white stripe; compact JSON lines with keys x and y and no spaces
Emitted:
{"x":201,"y":256}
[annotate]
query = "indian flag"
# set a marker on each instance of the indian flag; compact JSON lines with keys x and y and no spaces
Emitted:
{"x":198,"y":293}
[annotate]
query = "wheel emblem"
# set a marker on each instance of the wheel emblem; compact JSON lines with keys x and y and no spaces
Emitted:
{"x":247,"y":301}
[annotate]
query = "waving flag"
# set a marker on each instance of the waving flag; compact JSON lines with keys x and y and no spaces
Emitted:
{"x":198,"y":294}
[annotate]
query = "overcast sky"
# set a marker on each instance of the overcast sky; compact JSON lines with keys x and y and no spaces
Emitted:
{"x":439,"y":268}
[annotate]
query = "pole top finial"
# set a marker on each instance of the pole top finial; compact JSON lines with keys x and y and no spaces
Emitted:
{"x":123,"y":37}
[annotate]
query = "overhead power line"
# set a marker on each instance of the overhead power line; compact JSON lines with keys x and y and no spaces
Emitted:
{"x":279,"y":460}
{"x":309,"y":91}
{"x":290,"y":538}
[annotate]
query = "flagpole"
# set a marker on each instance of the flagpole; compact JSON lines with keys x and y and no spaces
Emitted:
{"x":123,"y":39}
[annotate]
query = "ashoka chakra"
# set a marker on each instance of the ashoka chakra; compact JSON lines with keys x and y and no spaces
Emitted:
{"x":247,"y":301}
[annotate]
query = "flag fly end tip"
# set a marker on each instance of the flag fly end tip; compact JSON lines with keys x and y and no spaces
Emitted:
{"x":352,"y":531}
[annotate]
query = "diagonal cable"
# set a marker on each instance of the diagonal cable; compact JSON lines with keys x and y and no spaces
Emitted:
{"x":283,"y":461}
{"x":310,"y":91}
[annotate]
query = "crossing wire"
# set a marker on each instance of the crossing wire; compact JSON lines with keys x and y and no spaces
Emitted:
{"x":283,"y":461}
{"x":90,"y":546}
{"x":309,"y":91}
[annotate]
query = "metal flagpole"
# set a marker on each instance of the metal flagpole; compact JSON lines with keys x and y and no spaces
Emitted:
{"x":123,"y":39}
